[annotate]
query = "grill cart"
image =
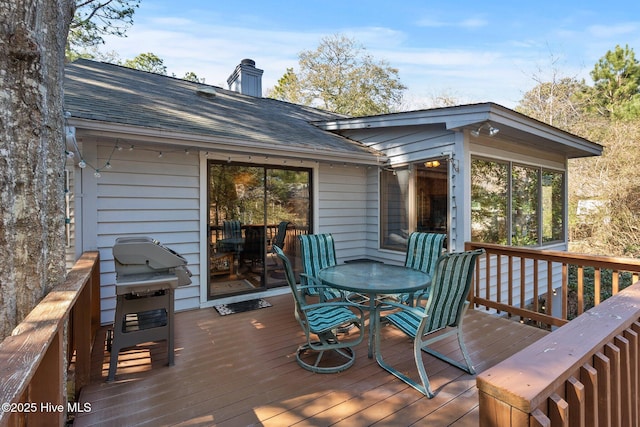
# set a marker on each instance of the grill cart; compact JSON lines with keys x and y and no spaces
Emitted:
{"x":147,"y":274}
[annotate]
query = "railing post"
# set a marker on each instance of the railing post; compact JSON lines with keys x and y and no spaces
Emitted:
{"x":46,"y":387}
{"x":94,"y":285}
{"x":82,"y":328}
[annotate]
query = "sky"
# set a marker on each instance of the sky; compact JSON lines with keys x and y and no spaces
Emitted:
{"x":492,"y":51}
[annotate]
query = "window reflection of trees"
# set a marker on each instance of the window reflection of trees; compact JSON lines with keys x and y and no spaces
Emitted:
{"x":289,"y":196}
{"x":489,"y":181}
{"x":535,"y":197}
{"x":524,"y":206}
{"x":238,"y":192}
{"x":552,"y":206}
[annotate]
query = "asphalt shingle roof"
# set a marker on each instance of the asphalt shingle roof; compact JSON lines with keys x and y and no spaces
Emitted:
{"x":115,"y":94}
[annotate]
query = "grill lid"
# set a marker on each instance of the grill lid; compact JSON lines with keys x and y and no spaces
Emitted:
{"x":134,"y":256}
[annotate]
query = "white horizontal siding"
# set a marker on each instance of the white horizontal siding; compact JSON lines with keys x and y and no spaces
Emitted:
{"x":342,"y":208}
{"x":140,"y":215}
{"x":143,"y":194}
{"x":142,"y":203}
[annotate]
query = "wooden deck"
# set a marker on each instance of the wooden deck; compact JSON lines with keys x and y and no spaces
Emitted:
{"x":240,"y":370}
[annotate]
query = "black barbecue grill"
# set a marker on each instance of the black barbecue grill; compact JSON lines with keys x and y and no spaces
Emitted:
{"x":147,"y":274}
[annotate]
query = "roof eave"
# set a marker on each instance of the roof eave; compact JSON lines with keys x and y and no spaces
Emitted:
{"x":148,"y":135}
{"x":469,"y":117}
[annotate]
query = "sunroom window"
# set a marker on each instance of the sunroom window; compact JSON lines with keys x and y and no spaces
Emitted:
{"x":515,"y":204}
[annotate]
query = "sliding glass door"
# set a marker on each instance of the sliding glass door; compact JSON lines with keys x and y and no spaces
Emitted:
{"x":251,"y":208}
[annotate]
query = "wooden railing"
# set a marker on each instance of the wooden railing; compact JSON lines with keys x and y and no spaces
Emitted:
{"x":522,"y":282}
{"x":58,"y":332}
{"x":585,"y":373}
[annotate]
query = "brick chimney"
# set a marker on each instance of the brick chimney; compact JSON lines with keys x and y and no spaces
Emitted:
{"x":246,"y":79}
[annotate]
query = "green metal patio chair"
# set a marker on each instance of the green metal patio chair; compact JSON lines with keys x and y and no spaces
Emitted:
{"x":280,"y":237}
{"x":440,"y":318}
{"x":317,"y":252}
{"x":232,"y":240}
{"x":423,"y":251}
{"x":319,"y":322}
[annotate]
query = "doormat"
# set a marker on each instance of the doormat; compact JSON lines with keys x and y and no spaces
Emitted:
{"x":242,"y":306}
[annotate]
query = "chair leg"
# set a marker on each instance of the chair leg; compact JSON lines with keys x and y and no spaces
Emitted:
{"x":463,"y":348}
{"x":423,"y":388}
{"x":327,"y":339}
{"x":468,"y":365}
{"x":420,"y":346}
{"x":346,"y":353}
{"x":422,"y":372}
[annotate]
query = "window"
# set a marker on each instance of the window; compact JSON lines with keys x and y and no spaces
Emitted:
{"x":489,"y":185}
{"x":524,"y":206}
{"x":552,"y":206}
{"x":414,"y":198}
{"x":513,"y":204}
{"x":394,"y":218}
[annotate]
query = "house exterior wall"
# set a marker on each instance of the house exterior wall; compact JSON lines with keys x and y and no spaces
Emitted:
{"x":165,"y":197}
{"x":404,"y":145}
{"x":141,"y":194}
{"x":342,"y":206}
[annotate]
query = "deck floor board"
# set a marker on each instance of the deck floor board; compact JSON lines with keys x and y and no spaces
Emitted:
{"x":240,"y":370}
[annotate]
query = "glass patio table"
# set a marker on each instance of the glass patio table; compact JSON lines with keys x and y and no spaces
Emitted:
{"x":374,"y":279}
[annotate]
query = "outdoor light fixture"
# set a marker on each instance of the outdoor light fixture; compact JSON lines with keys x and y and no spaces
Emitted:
{"x":492,"y":131}
{"x":448,"y":157}
{"x":432,"y":164}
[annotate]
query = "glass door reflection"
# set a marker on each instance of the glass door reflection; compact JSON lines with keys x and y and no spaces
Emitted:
{"x":251,"y":208}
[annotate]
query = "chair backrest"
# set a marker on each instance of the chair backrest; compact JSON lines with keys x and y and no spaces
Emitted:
{"x":290,"y":276}
{"x":449,"y":289}
{"x":423,"y":251}
{"x":317,"y":252}
{"x":231,"y":229}
{"x":281,"y":235}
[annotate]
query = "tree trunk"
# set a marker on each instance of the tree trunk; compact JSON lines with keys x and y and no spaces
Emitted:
{"x":32,"y":40}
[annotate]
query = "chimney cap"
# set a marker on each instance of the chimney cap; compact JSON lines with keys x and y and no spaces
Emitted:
{"x":248,"y":61}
